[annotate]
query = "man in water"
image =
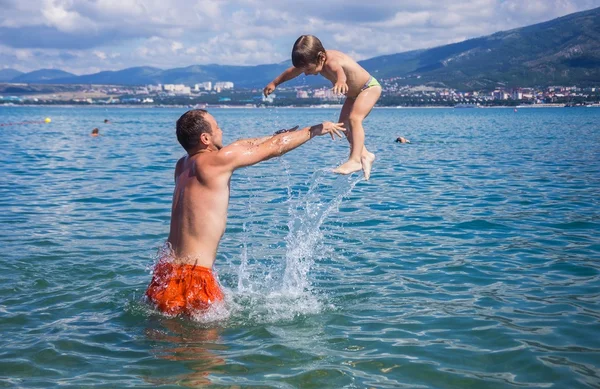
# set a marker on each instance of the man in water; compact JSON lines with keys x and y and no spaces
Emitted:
{"x":183,"y":280}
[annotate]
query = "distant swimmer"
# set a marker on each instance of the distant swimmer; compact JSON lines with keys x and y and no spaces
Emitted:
{"x":183,"y":281}
{"x":401,"y":139}
{"x":95,"y":132}
{"x":106,"y":121}
{"x":348,"y":78}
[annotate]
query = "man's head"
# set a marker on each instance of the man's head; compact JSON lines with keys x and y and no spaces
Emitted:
{"x":95,"y":132}
{"x":197,"y":130}
{"x":308,"y":54}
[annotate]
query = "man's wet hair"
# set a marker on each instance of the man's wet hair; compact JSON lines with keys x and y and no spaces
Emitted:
{"x":306,"y":51}
{"x":190,"y":126}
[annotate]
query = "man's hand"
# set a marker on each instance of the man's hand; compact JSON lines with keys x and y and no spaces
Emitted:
{"x":269,"y":89}
{"x":327,"y":128}
{"x":340,"y":88}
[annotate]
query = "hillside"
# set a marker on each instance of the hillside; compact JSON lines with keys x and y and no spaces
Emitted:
{"x":8,"y":74}
{"x":562,"y":51}
{"x":43,"y":76}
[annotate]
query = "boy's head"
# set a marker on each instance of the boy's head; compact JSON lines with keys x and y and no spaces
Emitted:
{"x":308,"y":54}
{"x":198,"y":126}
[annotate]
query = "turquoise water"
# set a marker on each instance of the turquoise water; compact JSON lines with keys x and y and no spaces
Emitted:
{"x":470,"y":260}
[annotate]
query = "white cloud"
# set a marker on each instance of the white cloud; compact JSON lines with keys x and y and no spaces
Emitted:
{"x":405,"y":19}
{"x":100,"y":54}
{"x":79,"y":35}
{"x":23,"y":55}
{"x":176,"y":46}
{"x":62,"y":19}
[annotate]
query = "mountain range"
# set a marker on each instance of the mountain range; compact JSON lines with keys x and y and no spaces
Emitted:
{"x":563,"y":51}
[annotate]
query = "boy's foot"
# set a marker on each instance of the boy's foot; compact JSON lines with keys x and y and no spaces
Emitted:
{"x":367,"y":161}
{"x":348,"y":167}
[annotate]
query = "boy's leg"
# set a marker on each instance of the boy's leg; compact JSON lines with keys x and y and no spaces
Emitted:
{"x":360,"y":158}
{"x":345,"y":118}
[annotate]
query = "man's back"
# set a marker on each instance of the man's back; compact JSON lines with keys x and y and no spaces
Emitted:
{"x":199,"y":211}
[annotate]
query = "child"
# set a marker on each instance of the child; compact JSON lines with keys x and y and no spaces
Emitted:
{"x":348,"y":78}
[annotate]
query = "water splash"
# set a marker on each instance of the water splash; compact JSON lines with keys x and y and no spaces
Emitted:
{"x":305,"y":237}
{"x":284,"y":290}
{"x":244,"y":272}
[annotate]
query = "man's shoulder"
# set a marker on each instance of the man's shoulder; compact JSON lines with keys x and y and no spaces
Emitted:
{"x":217,"y":160}
{"x":179,"y":164}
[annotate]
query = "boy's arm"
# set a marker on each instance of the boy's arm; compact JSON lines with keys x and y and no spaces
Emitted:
{"x":340,"y":85}
{"x":238,"y":155}
{"x":288,"y":74}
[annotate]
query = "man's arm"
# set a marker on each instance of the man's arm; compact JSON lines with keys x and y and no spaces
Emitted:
{"x":257,"y":141}
{"x":251,"y":141}
{"x":239,"y":155}
{"x":288,"y":74}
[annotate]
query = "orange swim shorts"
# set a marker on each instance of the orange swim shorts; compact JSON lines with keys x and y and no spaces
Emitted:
{"x":183,"y":288}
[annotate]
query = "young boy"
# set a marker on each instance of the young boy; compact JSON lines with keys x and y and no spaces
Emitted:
{"x":348,"y":78}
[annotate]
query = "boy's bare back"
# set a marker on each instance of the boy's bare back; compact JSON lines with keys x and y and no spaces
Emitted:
{"x":356,"y":75}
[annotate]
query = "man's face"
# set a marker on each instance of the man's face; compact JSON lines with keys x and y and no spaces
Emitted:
{"x":217,"y":133}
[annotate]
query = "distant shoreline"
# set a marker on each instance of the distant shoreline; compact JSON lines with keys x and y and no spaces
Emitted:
{"x":324,"y":106}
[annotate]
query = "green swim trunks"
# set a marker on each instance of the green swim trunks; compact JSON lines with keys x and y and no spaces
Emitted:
{"x":372,"y":82}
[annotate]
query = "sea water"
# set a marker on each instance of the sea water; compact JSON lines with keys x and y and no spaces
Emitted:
{"x":470,"y":259}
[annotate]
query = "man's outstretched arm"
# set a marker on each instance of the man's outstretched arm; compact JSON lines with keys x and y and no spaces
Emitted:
{"x":238,"y":155}
{"x":257,"y":141}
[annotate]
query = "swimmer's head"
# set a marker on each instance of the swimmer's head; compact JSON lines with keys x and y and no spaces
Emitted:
{"x":197,"y":129}
{"x":95,"y":132}
{"x":308,"y":54}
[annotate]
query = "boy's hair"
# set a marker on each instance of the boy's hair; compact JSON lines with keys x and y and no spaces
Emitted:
{"x":306,"y":51}
{"x":190,"y":126}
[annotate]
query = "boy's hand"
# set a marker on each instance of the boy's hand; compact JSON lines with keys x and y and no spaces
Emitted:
{"x":269,"y":89}
{"x":327,"y":128}
{"x":340,"y":88}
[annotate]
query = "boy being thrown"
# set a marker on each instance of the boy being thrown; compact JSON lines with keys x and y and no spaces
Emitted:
{"x":349,"y":78}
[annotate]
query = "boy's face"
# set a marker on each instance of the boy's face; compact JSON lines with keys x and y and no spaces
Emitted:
{"x":312,"y":69}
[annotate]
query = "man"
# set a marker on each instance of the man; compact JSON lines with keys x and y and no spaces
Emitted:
{"x":183,"y":281}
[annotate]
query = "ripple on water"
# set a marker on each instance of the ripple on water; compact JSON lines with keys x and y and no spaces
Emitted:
{"x":466,"y":260}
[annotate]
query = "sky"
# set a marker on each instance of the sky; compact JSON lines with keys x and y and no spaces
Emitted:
{"x":88,"y":36}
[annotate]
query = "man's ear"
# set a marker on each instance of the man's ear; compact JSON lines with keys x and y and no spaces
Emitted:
{"x":205,"y":138}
